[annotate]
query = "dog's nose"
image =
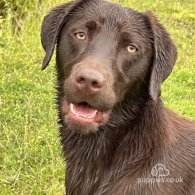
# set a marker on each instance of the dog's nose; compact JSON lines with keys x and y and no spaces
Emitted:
{"x":90,"y":79}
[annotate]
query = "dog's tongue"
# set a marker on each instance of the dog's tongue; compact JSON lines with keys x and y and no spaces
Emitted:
{"x":83,"y":110}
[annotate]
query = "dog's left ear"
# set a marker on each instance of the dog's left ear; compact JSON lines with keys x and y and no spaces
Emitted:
{"x":165,"y":55}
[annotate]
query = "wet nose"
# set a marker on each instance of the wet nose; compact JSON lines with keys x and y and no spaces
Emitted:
{"x":90,"y":79}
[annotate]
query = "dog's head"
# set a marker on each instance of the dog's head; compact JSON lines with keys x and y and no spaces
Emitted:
{"x":105,"y":54}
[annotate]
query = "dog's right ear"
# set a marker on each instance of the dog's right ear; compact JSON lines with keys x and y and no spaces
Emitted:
{"x":52,"y":26}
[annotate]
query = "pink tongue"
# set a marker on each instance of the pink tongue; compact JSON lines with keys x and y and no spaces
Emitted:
{"x":82,"y":110}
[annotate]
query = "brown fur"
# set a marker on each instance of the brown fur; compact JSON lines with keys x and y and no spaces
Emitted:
{"x":109,"y":159}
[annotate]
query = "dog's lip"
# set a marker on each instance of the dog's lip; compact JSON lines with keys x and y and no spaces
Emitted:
{"x":82,"y":111}
{"x":84,"y":116}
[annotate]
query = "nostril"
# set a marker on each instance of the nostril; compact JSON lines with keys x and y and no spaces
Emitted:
{"x":80,"y":80}
{"x":96,"y":85}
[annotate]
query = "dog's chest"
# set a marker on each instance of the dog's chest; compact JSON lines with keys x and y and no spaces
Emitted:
{"x":95,"y":181}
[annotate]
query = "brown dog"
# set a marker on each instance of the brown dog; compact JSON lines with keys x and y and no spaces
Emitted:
{"x":118,"y":137}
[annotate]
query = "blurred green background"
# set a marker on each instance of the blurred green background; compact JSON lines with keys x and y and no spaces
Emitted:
{"x":30,"y":153}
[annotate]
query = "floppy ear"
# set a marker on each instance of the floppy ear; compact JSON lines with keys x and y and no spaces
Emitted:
{"x":52,"y":26}
{"x":165,"y":55}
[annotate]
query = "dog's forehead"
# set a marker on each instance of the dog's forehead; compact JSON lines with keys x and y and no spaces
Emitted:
{"x":108,"y":13}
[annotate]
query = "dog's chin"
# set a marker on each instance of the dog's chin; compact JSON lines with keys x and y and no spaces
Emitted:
{"x":80,"y":129}
{"x":83,"y":118}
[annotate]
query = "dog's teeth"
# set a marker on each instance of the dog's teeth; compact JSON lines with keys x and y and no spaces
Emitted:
{"x":92,"y":115}
{"x":81,"y":115}
{"x":72,"y":109}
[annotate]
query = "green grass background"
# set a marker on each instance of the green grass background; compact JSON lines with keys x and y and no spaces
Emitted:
{"x":30,"y":154}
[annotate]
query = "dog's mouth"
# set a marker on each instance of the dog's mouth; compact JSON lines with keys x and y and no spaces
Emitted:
{"x":84,"y":114}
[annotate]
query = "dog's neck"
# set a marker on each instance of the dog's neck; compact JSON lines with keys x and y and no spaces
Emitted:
{"x":136,"y":139}
{"x":137,"y":134}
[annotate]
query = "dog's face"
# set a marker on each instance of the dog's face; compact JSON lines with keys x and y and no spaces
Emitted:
{"x":105,"y":53}
{"x":101,"y":56}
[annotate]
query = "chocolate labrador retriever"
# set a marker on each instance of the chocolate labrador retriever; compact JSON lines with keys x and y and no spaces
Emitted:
{"x":118,"y":137}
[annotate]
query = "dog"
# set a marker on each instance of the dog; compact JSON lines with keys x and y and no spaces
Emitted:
{"x":118,"y":137}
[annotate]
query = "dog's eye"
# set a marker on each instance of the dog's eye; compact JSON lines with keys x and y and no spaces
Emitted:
{"x":80,"y":35}
{"x":131,"y":49}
